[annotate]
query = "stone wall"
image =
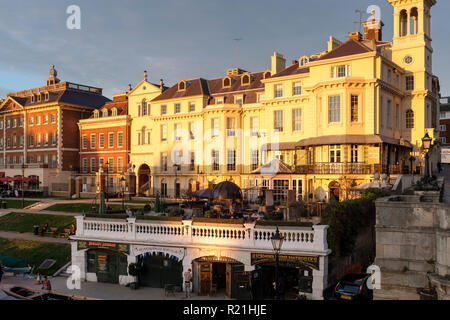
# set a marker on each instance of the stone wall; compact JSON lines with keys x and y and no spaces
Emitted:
{"x":412,"y":244}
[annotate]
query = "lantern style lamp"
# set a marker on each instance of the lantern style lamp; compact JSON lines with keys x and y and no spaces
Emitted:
{"x":277,"y":241}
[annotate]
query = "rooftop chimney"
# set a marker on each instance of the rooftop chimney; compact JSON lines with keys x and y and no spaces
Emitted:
{"x":278,"y":63}
{"x":373,"y":28}
{"x":355,"y":36}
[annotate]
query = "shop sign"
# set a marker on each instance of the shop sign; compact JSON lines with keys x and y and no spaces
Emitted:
{"x":298,"y":261}
{"x":121,"y":247}
{"x":177,"y":252}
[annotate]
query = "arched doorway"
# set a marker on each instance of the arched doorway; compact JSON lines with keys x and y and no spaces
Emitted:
{"x":218,"y":274}
{"x":334,"y":190}
{"x":144,"y":180}
{"x":177,"y":188}
{"x":159,"y":269}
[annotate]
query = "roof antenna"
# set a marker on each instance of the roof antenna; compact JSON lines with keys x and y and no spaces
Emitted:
{"x":238,"y":40}
{"x":360,"y":19}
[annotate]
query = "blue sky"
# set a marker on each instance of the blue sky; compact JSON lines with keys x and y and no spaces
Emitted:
{"x":177,"y":39}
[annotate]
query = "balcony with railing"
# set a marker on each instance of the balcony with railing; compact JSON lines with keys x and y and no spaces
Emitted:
{"x":250,"y":236}
{"x":347,"y":168}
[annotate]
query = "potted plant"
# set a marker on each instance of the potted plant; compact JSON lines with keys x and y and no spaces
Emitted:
{"x":134,"y":270}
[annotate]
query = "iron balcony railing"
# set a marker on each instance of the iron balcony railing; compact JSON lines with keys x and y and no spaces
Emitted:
{"x":347,"y":168}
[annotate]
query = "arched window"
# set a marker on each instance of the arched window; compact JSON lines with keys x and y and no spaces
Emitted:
{"x":403,"y":23}
{"x":245,"y":79}
{"x":414,"y":25}
{"x":114,"y":112}
{"x":96,"y":114}
{"x":267,"y":74}
{"x":226,"y":82}
{"x":409,"y":119}
{"x":181,"y":85}
{"x":105,"y":113}
{"x":303,"y":61}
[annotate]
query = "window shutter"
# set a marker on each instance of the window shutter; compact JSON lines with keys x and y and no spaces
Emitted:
{"x":139,"y":110}
{"x":348,"y":70}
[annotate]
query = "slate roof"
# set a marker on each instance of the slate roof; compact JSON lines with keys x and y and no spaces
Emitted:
{"x":348,"y":48}
{"x":194,"y":87}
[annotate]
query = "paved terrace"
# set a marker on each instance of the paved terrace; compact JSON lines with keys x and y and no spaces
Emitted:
{"x":109,"y":291}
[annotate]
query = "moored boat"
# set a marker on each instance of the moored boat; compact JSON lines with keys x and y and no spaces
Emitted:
{"x":26,"y":293}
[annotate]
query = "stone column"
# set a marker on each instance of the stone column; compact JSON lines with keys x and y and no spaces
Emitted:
{"x":320,"y":279}
{"x":79,"y":259}
{"x":78,"y":187}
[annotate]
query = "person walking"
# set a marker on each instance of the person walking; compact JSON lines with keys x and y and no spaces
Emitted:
{"x":187,"y":283}
{"x":1,"y":270}
{"x":46,"y":285}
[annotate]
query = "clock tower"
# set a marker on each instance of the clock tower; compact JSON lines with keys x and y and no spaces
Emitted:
{"x":412,"y":51}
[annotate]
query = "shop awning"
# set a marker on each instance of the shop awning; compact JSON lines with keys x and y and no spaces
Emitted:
{"x":8,"y":179}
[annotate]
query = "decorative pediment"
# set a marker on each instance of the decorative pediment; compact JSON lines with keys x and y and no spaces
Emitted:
{"x":11,"y":104}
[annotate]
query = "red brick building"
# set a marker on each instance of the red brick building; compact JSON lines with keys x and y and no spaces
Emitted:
{"x":38,"y":131}
{"x":105,"y":145}
{"x":444,"y":122}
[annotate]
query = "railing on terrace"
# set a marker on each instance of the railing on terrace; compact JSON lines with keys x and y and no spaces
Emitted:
{"x":316,"y":168}
{"x":187,"y":232}
{"x":347,"y":168}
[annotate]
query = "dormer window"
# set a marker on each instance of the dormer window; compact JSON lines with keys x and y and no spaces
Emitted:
{"x":267,"y":75}
{"x":227,"y":82}
{"x":39,"y":97}
{"x":303,"y":60}
{"x":219,"y":100}
{"x":46,"y":96}
{"x":245,"y":80}
{"x":32,"y":98}
{"x":114,"y":112}
{"x":105,"y":113}
{"x":181,"y":85}
{"x":96,"y":114}
{"x":239,"y":99}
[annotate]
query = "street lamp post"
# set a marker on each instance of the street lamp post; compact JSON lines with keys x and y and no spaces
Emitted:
{"x":428,"y":182}
{"x":277,"y":241}
{"x":106,"y":180}
{"x":23,"y":191}
{"x":122,"y":184}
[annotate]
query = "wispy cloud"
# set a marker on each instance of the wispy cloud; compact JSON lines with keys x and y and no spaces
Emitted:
{"x":173,"y":39}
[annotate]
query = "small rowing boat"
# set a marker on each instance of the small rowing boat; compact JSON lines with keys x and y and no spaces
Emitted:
{"x":25,"y":293}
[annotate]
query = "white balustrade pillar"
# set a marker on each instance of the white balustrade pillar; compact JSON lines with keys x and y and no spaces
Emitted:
{"x":131,"y":228}
{"x":80,"y":225}
{"x":320,"y":237}
{"x":187,"y":229}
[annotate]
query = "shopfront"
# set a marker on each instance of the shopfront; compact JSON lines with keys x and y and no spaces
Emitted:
{"x":213,"y":275}
{"x":106,"y":261}
{"x":296,"y":271}
{"x":159,"y":269}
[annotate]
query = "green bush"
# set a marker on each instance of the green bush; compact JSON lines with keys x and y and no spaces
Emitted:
{"x":211,"y":214}
{"x":176,"y":212}
{"x":346,"y":219}
{"x":374,"y":193}
{"x":273,"y":215}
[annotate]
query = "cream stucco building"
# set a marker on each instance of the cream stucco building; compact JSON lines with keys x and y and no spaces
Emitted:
{"x":320,"y":125}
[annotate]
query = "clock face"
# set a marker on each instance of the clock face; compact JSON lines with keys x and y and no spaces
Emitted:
{"x":408,"y":60}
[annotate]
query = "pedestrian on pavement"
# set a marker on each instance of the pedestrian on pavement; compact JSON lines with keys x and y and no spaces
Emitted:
{"x":187,"y":283}
{"x":73,"y":230}
{"x":1,"y":270}
{"x":46,"y":285}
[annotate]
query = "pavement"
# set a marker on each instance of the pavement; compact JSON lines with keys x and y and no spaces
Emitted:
{"x":109,"y":291}
{"x":31,"y":236}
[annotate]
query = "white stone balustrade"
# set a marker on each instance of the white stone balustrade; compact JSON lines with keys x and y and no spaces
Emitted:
{"x":187,"y":233}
